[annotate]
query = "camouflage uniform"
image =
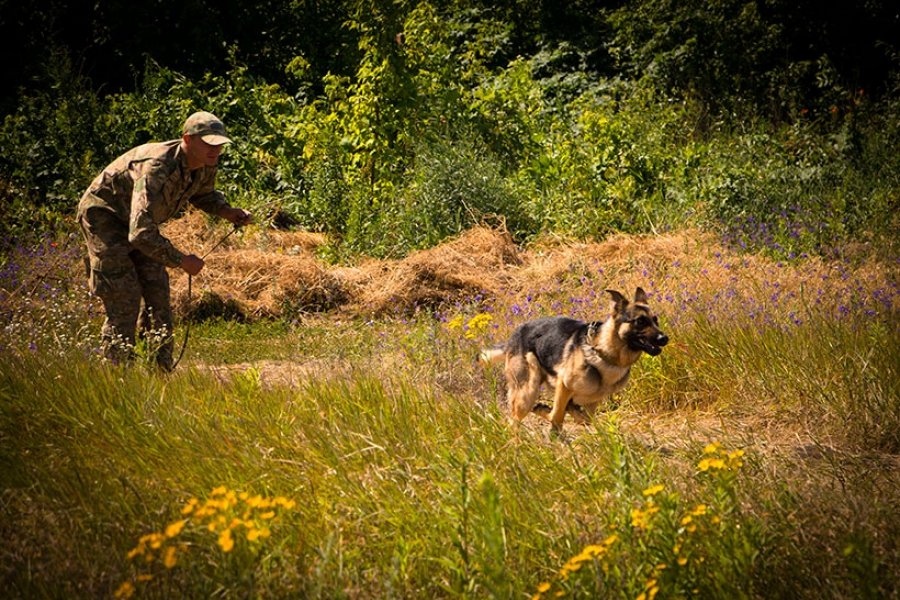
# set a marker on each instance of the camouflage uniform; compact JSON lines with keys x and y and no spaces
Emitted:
{"x":120,"y":214}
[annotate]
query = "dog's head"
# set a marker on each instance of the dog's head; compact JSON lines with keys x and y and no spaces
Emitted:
{"x":636,"y":325}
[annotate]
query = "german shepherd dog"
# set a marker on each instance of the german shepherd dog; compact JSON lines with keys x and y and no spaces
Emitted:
{"x":584,"y":362}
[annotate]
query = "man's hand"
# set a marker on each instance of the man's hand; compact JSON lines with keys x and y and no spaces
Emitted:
{"x":238,"y":216}
{"x":191,"y":264}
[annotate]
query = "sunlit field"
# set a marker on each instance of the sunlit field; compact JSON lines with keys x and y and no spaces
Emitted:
{"x":345,"y":454}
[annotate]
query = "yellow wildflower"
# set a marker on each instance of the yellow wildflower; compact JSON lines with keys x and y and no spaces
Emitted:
{"x":638,"y":517}
{"x":284,"y":502}
{"x":175,"y":528}
{"x":252,"y":534}
{"x":711,"y":463}
{"x":169,"y":559}
{"x":572,"y":566}
{"x":456,"y":322}
{"x":543,"y":587}
{"x":682,"y":561}
{"x":641,"y":518}
{"x":477,"y":325}
{"x":219,"y":491}
{"x":226,"y":542}
{"x":267,"y":515}
{"x":126,"y":590}
{"x":711,"y":448}
{"x":189,"y":507}
{"x":145,"y":578}
{"x":700,"y":509}
{"x":204,"y":511}
{"x":734,"y":458}
{"x":653,"y":490}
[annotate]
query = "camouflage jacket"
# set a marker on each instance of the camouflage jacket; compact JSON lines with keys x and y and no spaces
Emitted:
{"x":146,"y":187}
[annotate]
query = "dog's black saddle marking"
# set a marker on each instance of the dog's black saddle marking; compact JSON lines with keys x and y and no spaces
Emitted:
{"x":548,"y":339}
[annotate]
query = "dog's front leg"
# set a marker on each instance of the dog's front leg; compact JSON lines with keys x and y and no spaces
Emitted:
{"x":561,"y":397}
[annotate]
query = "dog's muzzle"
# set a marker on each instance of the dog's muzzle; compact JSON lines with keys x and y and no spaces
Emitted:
{"x":652,"y":346}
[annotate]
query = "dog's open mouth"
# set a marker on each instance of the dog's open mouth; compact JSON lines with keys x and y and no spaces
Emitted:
{"x":653,"y":348}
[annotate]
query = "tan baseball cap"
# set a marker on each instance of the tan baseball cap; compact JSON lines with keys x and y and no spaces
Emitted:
{"x":208,"y":126}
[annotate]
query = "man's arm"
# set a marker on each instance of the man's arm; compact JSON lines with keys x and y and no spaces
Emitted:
{"x":143,"y":232}
{"x":212,"y":201}
{"x":235,"y":215}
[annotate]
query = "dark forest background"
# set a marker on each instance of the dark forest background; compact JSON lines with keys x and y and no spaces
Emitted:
{"x":391,"y":125}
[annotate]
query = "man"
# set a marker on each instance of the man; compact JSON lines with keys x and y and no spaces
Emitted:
{"x":120,"y":214}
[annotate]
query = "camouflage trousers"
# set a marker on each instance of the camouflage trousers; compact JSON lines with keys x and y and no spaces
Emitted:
{"x":134,"y":290}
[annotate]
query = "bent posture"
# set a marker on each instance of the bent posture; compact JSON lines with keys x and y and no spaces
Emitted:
{"x":120,"y":214}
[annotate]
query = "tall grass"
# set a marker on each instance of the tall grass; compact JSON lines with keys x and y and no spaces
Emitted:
{"x":388,"y":468}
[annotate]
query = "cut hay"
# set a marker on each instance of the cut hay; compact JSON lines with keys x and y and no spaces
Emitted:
{"x":252,"y":274}
{"x":475,"y":262}
{"x":262,"y":284}
{"x":268,"y":273}
{"x":621,"y":257}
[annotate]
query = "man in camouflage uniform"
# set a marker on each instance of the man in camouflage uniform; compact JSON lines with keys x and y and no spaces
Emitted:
{"x":120,"y":214}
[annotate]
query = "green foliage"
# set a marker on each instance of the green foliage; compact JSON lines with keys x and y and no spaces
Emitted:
{"x":48,"y":148}
{"x":738,"y":58}
{"x":689,"y":48}
{"x":434,"y":131}
{"x":454,"y":186}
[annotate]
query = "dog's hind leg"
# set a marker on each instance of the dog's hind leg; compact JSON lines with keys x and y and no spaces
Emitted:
{"x":523,"y":377}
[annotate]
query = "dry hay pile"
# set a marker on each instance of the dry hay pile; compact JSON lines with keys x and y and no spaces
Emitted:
{"x":265,"y":274}
{"x":261,"y":273}
{"x":621,"y":259}
{"x":252,"y":275}
{"x":477,"y":261}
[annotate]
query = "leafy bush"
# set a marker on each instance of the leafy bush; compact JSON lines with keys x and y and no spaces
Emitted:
{"x":432,"y":134}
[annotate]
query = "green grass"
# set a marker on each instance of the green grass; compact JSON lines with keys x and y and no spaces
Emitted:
{"x":409,"y":481}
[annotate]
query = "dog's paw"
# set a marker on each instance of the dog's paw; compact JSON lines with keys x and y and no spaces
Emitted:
{"x":555,"y":434}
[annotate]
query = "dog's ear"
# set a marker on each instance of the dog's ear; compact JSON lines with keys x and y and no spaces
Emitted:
{"x":640,"y":296}
{"x":619,"y":301}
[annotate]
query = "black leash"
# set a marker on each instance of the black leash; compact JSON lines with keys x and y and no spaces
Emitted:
{"x":187,"y":328}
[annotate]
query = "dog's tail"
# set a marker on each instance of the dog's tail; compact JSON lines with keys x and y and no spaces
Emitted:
{"x":492,"y":355}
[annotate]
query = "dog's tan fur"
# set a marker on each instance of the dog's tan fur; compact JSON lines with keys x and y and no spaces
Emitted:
{"x":584,"y":363}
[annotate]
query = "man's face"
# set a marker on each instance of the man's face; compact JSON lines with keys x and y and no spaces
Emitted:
{"x":199,"y":153}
